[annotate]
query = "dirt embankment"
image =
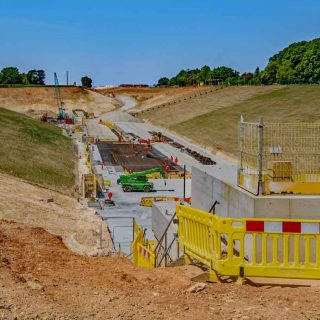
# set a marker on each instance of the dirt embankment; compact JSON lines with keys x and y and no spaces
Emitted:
{"x":41,"y":279}
{"x":60,"y":215}
{"x":149,"y":97}
{"x":33,"y":100}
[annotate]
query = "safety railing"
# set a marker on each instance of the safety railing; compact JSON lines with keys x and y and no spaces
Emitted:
{"x":251,"y":247}
{"x":142,"y":249}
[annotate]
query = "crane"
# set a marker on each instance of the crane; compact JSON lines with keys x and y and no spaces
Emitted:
{"x":60,"y":104}
{"x":138,"y":181}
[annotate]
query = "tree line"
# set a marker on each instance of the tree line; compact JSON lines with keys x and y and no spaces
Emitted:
{"x":207,"y":76}
{"x":11,"y":75}
{"x":298,"y":63}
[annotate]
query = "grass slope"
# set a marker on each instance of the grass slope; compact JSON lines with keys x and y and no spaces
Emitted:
{"x":35,"y":151}
{"x":202,"y":104}
{"x":219,"y":128}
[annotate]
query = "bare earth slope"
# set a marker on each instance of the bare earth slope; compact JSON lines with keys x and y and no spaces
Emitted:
{"x":61,"y":215}
{"x":41,"y":279}
{"x":149,"y":97}
{"x":33,"y":100}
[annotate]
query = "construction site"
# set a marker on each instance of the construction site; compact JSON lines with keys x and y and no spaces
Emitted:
{"x":159,"y":160}
{"x":161,"y":226}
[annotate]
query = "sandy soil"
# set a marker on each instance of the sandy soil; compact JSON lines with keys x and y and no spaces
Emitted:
{"x":35,"y":101}
{"x":41,"y":279}
{"x":61,"y":215}
{"x":149,"y":97}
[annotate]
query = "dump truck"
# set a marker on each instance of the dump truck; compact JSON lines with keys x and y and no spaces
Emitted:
{"x":138,"y":181}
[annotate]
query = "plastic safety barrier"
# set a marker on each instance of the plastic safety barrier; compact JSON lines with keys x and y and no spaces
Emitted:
{"x":142,"y":250}
{"x":148,"y":201}
{"x":275,"y":248}
{"x":88,"y":164}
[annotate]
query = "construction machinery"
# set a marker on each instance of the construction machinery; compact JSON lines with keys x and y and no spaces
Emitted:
{"x":60,"y":104}
{"x":138,"y":181}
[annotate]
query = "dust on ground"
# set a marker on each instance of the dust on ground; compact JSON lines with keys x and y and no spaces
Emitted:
{"x":37,"y":100}
{"x":77,"y":225}
{"x":41,"y":279}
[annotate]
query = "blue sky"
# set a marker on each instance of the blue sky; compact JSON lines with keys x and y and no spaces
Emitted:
{"x":139,"y":41}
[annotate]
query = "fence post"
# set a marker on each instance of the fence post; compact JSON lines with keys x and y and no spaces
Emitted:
{"x":241,"y":136}
{"x":260,"y":156}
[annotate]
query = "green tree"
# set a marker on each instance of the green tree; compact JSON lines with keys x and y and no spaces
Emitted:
{"x":204,"y":74}
{"x":224,"y":72}
{"x":24,"y":79}
{"x":10,"y":75}
{"x":86,"y":82}
{"x":247,"y":76}
{"x":41,"y":76}
{"x":256,"y":72}
{"x":36,"y":76}
{"x":163,"y":81}
{"x":299,"y":62}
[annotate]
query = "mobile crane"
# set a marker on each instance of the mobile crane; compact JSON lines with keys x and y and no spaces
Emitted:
{"x":60,"y":104}
{"x":138,"y":181}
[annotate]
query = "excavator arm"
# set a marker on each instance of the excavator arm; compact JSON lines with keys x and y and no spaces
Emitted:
{"x":144,"y":173}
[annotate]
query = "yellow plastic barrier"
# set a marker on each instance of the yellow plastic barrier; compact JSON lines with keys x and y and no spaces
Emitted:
{"x":142,"y":250}
{"x":251,"y":247}
{"x":148,"y":201}
{"x":178,"y":175}
{"x":88,"y":164}
{"x":107,"y":182}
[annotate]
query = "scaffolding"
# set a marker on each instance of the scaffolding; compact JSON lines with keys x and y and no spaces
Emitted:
{"x":277,"y":158}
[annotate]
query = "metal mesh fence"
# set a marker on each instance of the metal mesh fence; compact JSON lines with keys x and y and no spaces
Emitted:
{"x":289,"y":151}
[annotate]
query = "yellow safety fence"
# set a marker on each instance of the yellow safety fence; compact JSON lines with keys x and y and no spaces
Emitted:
{"x":142,"y":249}
{"x":148,"y":201}
{"x":178,"y":175}
{"x":251,"y":247}
{"x":88,"y":164}
{"x":297,"y":184}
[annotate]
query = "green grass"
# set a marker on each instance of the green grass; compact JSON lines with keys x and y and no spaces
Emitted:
{"x":219,"y":128}
{"x":35,"y":151}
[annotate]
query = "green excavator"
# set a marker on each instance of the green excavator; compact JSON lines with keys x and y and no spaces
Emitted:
{"x":138,"y":181}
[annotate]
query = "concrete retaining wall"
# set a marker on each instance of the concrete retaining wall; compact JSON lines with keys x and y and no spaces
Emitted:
{"x":237,"y":203}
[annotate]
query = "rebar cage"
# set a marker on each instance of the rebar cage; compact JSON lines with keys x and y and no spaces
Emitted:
{"x":279,"y":157}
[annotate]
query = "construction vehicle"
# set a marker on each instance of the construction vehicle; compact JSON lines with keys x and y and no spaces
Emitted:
{"x":138,"y":181}
{"x":61,"y":110}
{"x":157,"y":137}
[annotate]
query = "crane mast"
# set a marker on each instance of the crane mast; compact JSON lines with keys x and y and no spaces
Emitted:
{"x":60,"y":104}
